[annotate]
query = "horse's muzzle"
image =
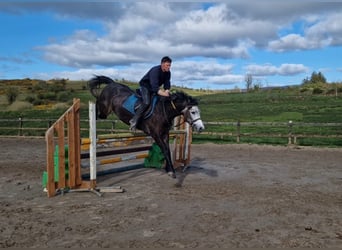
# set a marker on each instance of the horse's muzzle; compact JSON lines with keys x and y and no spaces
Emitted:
{"x":198,"y":126}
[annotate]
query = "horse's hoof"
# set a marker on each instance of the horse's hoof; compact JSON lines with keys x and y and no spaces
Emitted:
{"x":171,"y":174}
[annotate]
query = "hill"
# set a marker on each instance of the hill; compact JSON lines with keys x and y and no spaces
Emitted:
{"x":298,"y":103}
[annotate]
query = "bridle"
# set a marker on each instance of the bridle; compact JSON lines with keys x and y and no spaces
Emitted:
{"x":184,"y":113}
{"x":194,"y":120}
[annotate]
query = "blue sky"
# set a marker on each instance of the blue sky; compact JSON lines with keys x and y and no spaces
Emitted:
{"x":213,"y":45}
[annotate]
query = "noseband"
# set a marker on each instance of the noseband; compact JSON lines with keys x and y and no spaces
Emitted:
{"x":192,"y":122}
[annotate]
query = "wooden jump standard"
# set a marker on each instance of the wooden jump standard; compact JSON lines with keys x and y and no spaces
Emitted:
{"x":67,"y":131}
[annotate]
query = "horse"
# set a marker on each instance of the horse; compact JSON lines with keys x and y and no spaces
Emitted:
{"x":115,"y":97}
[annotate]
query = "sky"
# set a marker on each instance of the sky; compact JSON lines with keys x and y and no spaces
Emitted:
{"x":213,"y":45}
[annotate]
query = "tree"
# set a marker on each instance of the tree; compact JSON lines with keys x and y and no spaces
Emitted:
{"x":249,"y":81}
{"x":305,"y":80}
{"x":316,"y":78}
{"x":257,"y":86}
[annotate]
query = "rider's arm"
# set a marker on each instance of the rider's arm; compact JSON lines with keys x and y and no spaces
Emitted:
{"x":154,"y":80}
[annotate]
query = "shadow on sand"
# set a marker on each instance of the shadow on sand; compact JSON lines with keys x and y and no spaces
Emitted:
{"x":194,"y":168}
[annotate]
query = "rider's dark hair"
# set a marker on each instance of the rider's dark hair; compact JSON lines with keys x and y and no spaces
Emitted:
{"x":166,"y":59}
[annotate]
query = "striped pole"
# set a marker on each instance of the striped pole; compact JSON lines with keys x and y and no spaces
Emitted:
{"x":117,"y":159}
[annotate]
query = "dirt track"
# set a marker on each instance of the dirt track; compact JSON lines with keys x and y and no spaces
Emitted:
{"x":231,"y":196}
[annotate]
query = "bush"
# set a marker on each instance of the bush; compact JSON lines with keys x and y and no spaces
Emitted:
{"x":11,"y":94}
{"x":61,"y":105}
{"x":41,"y":85}
{"x":63,"y":96}
{"x":18,"y":105}
{"x":38,"y":102}
{"x":30,"y":99}
{"x":50,"y":96}
{"x":305,"y":89}
{"x":317,"y":90}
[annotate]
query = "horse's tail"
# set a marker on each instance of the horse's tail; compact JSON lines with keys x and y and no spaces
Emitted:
{"x":95,"y":83}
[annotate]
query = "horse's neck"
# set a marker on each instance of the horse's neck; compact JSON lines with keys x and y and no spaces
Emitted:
{"x":171,"y":109}
{"x":176,"y":109}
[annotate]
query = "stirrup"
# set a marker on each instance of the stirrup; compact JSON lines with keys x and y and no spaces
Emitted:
{"x":132,"y":125}
{"x":133,"y":128}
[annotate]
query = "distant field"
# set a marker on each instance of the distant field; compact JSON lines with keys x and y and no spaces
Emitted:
{"x":264,"y":106}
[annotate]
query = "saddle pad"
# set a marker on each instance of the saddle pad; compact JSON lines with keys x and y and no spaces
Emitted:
{"x":131,"y":102}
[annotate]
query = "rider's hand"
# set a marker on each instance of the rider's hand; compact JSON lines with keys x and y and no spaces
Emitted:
{"x":164,"y":92}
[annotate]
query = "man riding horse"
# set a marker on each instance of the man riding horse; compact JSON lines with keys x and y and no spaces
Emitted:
{"x":122,"y":101}
{"x":150,"y":85}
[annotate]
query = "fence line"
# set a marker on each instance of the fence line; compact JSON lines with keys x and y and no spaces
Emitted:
{"x":235,"y":128}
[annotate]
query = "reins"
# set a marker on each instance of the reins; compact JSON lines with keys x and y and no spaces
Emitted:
{"x":174,"y":108}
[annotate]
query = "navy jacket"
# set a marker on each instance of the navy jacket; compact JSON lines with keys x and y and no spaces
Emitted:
{"x":155,"y":78}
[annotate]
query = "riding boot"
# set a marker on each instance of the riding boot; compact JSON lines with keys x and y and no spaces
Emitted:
{"x":135,"y":119}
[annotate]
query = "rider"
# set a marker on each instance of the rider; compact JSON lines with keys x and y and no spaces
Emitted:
{"x":149,"y":85}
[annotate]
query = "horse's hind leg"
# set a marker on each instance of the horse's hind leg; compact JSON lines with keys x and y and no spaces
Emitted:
{"x":100,"y":110}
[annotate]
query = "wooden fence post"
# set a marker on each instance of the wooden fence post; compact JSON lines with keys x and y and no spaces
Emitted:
{"x":238,"y":131}
{"x":20,"y":126}
{"x":113,"y":127}
{"x":290,"y":132}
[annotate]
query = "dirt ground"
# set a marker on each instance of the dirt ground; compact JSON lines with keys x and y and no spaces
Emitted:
{"x":230,"y":196}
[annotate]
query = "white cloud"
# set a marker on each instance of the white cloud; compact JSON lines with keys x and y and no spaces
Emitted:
{"x":192,"y":70}
{"x":184,"y":73}
{"x":329,"y":29}
{"x":219,"y":25}
{"x":297,"y":42}
{"x":319,"y":31}
{"x":206,"y":74}
{"x":136,"y":34}
{"x":225,"y":30}
{"x":269,"y":69}
{"x":96,"y":10}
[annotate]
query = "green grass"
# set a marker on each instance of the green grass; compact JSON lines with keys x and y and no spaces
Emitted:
{"x":269,"y":106}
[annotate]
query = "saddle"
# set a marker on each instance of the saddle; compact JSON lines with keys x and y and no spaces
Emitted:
{"x":133,"y":102}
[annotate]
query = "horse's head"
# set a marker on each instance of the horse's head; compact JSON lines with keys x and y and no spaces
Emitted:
{"x":189,"y":109}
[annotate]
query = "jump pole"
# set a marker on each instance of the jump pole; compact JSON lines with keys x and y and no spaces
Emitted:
{"x":92,"y":149}
{"x":92,"y":153}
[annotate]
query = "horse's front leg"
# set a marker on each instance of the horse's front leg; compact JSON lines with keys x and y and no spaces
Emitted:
{"x":170,"y":169}
{"x":163,"y":143}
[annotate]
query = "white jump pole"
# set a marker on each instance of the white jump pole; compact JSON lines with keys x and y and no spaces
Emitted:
{"x":187,"y":140}
{"x":92,"y":138}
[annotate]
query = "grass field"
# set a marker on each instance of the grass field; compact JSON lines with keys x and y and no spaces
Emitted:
{"x":272,"y":106}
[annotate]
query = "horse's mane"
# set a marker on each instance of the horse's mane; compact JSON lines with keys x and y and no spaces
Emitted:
{"x":184,"y":96}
